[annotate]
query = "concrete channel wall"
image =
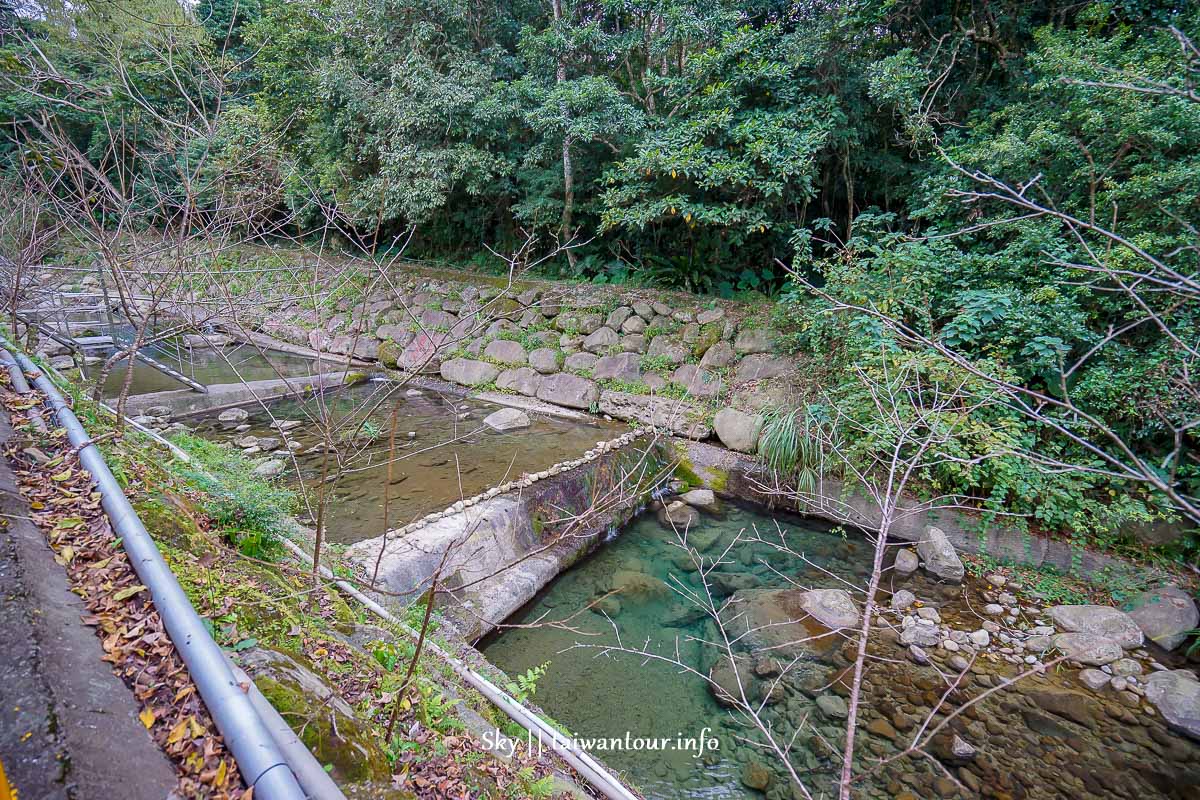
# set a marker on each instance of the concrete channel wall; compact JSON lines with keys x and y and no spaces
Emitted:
{"x":185,"y":402}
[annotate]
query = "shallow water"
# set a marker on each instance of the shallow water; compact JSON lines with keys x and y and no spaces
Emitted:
{"x":1046,"y":736}
{"x":208,"y":366}
{"x":444,"y":451}
{"x":605,"y":695}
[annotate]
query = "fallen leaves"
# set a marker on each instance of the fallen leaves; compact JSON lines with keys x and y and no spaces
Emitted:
{"x":66,"y":507}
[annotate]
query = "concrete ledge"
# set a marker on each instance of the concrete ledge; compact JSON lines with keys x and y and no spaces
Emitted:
{"x":185,"y":402}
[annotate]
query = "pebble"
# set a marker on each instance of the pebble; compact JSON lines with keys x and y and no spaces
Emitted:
{"x":930,"y":614}
{"x":958,"y":663}
{"x":918,"y":655}
{"x":993,"y":609}
{"x":950,"y":645}
{"x":980,"y":638}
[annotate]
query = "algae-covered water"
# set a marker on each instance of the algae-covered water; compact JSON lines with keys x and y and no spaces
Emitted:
{"x":208,"y":366}
{"x":599,"y":694}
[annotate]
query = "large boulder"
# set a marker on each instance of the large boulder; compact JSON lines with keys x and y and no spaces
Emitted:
{"x":423,"y":352}
{"x":1089,"y":649}
{"x":581,"y":361}
{"x":1165,"y":615}
{"x":468,"y":372}
{"x":522,"y":380}
{"x":1176,"y":695}
{"x":668,"y":348}
{"x":505,"y":351}
{"x":1098,"y":621}
{"x":507,"y":419}
{"x":572,"y":391}
{"x":677,"y":416}
{"x":738,"y":430}
{"x":718,"y":356}
{"x":937,"y":552}
{"x":621,"y":367}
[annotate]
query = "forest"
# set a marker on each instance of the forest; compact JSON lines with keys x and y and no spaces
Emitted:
{"x":1010,"y":190}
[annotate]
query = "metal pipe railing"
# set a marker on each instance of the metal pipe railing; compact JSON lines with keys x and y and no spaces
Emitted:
{"x":246,"y":735}
{"x":592,"y":770}
{"x":17,"y":377}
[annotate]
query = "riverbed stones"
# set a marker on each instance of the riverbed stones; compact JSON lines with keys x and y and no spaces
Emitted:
{"x":507,"y":419}
{"x":920,"y":635}
{"x":832,"y":707}
{"x":939,"y":557}
{"x":1165,"y":616}
{"x":1093,"y":679}
{"x":678,"y":516}
{"x":906,"y":563}
{"x":1087,"y":648}
{"x":469,"y":372}
{"x":269,"y":468}
{"x":1098,"y":621}
{"x":756,"y":776}
{"x":523,"y":380}
{"x":619,"y":367}
{"x":902,"y":600}
{"x":738,"y":430}
{"x":507,"y":352}
{"x":1176,"y":695}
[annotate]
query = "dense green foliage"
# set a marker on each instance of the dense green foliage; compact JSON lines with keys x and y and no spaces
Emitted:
{"x":712,"y":147}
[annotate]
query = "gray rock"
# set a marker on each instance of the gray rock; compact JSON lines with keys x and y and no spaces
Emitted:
{"x":759,"y":366}
{"x":920,"y":635}
{"x":669,"y":348}
{"x":1126,"y":668}
{"x":507,"y":419}
{"x":545,"y":360}
{"x":698,"y":382}
{"x":270,"y":468}
{"x":680,"y":417}
{"x":643,"y":310}
{"x":902,"y":600}
{"x":568,"y":390}
{"x":738,"y":430}
{"x":622,"y":367}
{"x":938,"y":554}
{"x":633,"y":325}
{"x":233,"y":415}
{"x":832,"y":706}
{"x":506,"y":352}
{"x":718,"y":356}
{"x":1087,"y":648}
{"x":918,"y":655}
{"x":710,"y":315}
{"x":906,"y":562}
{"x":833,"y":608}
{"x":678,"y":516}
{"x":634,"y":343}
{"x":468,"y":372}
{"x":753,"y":340}
{"x":980,"y":638}
{"x":1094,"y":679}
{"x":699,"y":498}
{"x":1098,"y":621}
{"x":581,"y":361}
{"x":1165,"y":616}
{"x":523,"y":380}
{"x":1176,"y":695}
{"x":616,"y":318}
{"x":600,"y":340}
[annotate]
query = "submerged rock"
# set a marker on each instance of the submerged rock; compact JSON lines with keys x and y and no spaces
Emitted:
{"x":1165,"y":616}
{"x":906,"y":562}
{"x":1098,"y":621}
{"x":678,"y":516}
{"x":699,"y":498}
{"x":507,"y":419}
{"x":233,"y":415}
{"x":792,"y":623}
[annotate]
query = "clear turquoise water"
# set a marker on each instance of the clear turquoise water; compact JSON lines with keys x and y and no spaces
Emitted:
{"x":594,"y":693}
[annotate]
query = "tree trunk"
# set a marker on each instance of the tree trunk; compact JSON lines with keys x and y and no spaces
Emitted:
{"x":566,"y":228}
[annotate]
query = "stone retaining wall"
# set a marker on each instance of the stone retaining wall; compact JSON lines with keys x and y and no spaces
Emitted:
{"x":628,"y":354}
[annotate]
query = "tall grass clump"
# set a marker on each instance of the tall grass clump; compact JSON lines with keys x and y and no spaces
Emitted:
{"x":789,"y":449}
